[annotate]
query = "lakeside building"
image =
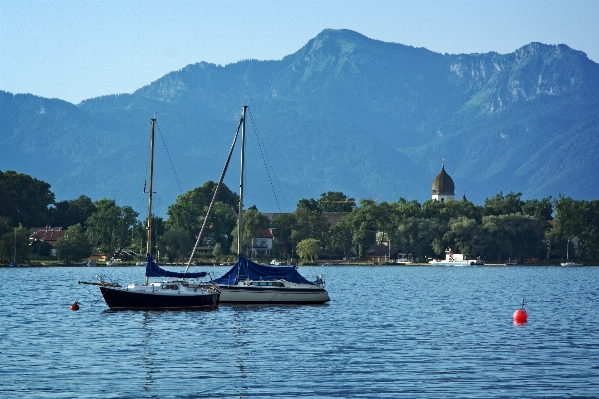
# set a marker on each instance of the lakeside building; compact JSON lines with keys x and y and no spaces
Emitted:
{"x":47,"y":235}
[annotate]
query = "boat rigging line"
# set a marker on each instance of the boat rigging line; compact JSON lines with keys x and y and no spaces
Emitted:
{"x":168,"y":155}
{"x":220,"y":180}
{"x":98,"y":298}
{"x":267,"y":161}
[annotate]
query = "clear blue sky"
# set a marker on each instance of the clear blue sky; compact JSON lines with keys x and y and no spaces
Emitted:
{"x":74,"y":50}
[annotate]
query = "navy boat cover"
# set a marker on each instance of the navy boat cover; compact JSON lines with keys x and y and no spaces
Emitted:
{"x":153,"y":270}
{"x":245,"y":269}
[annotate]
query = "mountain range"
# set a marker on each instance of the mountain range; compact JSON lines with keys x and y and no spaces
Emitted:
{"x":344,"y":113}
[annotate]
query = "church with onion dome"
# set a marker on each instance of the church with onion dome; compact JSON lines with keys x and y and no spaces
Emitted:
{"x":443,"y":187}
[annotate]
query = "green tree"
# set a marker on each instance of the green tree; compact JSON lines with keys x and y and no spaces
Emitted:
{"x":308,"y":249}
{"x":570,"y":221}
{"x":124,"y":228}
{"x":541,"y":210}
{"x":364,"y":223}
{"x":217,"y":251}
{"x":503,"y":205}
{"x":513,"y":235}
{"x":467,"y":235}
{"x":529,"y":240}
{"x":5,"y":225}
{"x":433,"y":209}
{"x":406,"y":209}
{"x":110,"y":227}
{"x":14,"y":245}
{"x":24,"y":199}
{"x":175,"y":244}
{"x":569,"y":215}
{"x":309,"y":222}
{"x":70,"y":213}
{"x":429,"y":231}
{"x":283,"y":226}
{"x":221,"y":223}
{"x":384,"y":215}
{"x":438,"y":246}
{"x":463,"y":208}
{"x":416,"y":235}
{"x":253,"y":222}
{"x":310,"y":204}
{"x":190,"y":208}
{"x":499,"y":237}
{"x":591,"y":233}
{"x":139,"y":236}
{"x":74,"y":245}
{"x":576,"y":218}
{"x":335,"y":201}
{"x":340,"y":238}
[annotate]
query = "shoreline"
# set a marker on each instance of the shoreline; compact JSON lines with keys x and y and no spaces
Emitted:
{"x":317,"y":263}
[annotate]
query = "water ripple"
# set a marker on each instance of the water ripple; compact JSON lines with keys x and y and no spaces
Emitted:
{"x":389,"y":332}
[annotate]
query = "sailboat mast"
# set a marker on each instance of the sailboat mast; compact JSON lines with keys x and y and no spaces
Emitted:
{"x":149,"y":222}
{"x":240,"y":222}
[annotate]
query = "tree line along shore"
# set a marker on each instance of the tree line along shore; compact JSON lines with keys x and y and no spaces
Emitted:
{"x":333,"y":229}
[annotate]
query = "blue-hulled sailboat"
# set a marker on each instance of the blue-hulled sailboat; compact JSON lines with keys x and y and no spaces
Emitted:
{"x":174,"y":294}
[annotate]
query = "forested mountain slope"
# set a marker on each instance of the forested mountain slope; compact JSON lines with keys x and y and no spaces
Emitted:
{"x":344,"y":113}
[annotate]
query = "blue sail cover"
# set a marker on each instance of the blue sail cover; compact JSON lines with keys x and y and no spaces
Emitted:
{"x":245,"y":269}
{"x":153,"y":270}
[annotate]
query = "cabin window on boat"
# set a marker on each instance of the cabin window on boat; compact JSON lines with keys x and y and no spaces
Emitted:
{"x":268,"y":283}
{"x":262,"y":283}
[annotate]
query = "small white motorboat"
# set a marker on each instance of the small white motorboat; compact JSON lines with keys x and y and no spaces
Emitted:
{"x":452,"y":259}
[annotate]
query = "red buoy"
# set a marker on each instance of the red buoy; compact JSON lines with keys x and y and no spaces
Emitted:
{"x":75,"y":306}
{"x":520,"y":315}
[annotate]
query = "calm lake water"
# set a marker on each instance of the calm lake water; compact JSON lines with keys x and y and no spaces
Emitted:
{"x":389,"y":332}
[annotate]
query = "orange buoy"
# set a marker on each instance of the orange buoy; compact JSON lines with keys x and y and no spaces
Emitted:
{"x":520,"y":315}
{"x":75,"y":306}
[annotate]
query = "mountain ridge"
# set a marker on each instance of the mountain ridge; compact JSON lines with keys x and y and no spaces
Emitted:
{"x":343,"y":113}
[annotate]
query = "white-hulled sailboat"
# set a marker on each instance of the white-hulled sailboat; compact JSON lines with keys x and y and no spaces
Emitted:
{"x":568,"y":262}
{"x":164,"y":295}
{"x":251,"y":283}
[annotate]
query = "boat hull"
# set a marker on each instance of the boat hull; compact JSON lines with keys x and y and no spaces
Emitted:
{"x":241,"y":294}
{"x":457,"y":260}
{"x":120,"y":298}
{"x":571,"y":264}
{"x":454,"y":264}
